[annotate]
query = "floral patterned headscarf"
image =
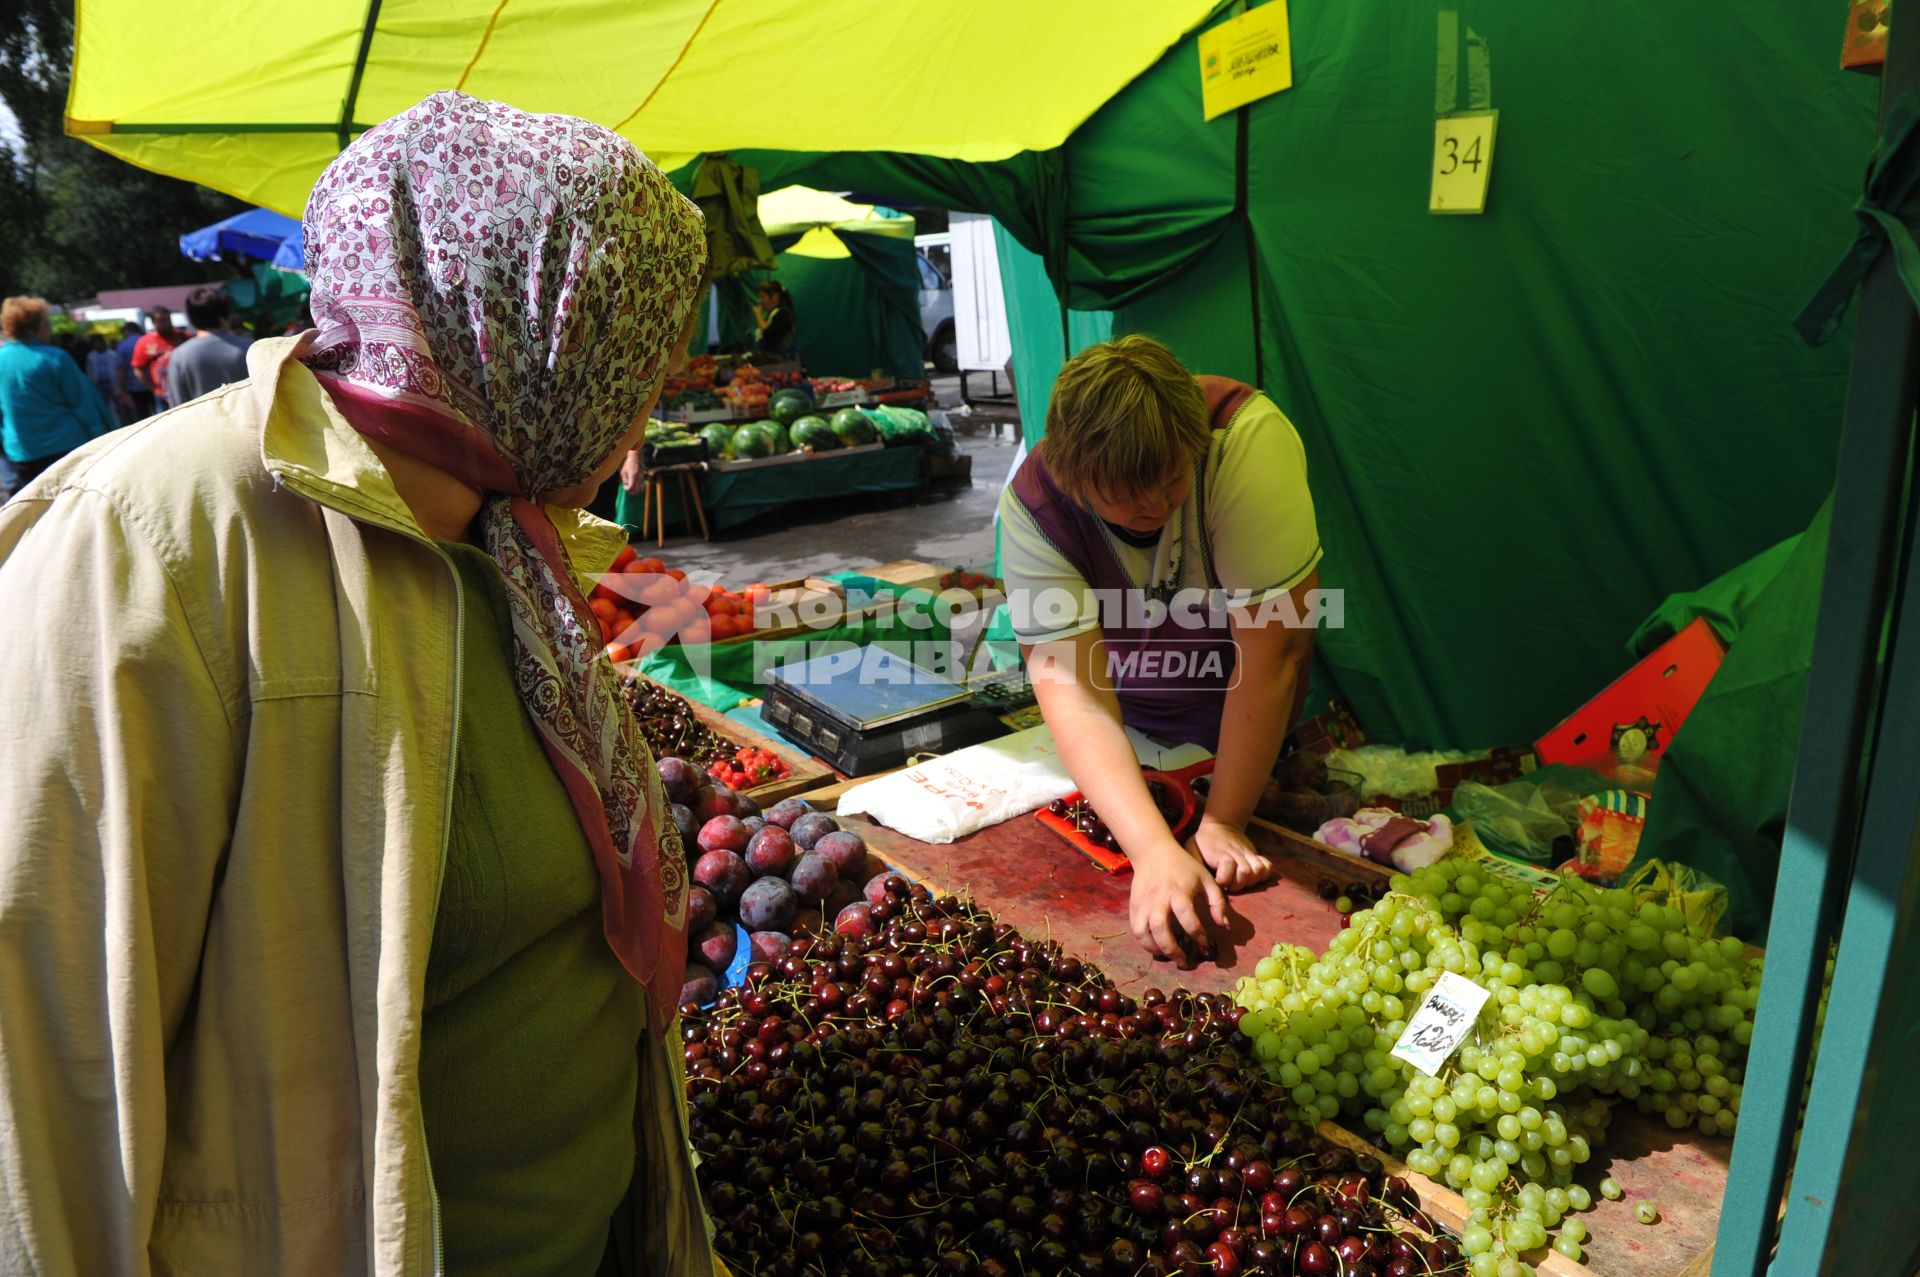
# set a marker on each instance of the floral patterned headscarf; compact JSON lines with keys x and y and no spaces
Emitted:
{"x":497,"y":294}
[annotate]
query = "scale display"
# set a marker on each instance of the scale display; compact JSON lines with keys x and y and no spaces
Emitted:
{"x":868,"y":688}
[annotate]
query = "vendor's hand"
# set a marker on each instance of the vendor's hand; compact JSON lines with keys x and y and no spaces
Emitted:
{"x":632,"y":472}
{"x":1172,"y":889}
{"x":1229,"y":853}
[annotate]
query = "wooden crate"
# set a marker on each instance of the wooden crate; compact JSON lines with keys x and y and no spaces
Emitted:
{"x":806,"y":772}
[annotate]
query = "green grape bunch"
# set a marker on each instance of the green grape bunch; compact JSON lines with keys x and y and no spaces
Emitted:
{"x":1595,"y":997}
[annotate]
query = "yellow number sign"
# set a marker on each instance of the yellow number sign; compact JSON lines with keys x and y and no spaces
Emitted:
{"x":1462,"y":161}
{"x":1245,"y":59}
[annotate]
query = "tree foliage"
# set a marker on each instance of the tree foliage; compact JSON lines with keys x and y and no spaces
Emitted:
{"x":73,"y":219}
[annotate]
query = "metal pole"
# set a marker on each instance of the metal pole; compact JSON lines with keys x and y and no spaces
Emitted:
{"x":1816,"y":854}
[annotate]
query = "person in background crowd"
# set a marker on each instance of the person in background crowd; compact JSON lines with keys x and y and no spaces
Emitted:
{"x":129,"y":395}
{"x":380,"y":974}
{"x":775,"y":320}
{"x":47,"y":406}
{"x":150,"y":355}
{"x":209,"y":359}
{"x":76,"y":347}
{"x":101,"y":362}
{"x":236,"y":331}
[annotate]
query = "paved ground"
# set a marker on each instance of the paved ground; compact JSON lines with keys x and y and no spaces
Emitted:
{"x":951,"y":523}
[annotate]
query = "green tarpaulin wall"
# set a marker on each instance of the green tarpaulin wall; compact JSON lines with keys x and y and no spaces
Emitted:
{"x":857,"y":314}
{"x":1525,"y":428}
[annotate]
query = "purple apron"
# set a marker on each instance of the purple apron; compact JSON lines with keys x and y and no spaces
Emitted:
{"x":1171,"y":679}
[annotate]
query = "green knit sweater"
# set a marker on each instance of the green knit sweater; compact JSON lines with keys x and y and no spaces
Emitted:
{"x":527,"y":1062}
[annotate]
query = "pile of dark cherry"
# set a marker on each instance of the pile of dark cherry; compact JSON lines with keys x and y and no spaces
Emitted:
{"x":1087,"y":822}
{"x":930,"y":1093}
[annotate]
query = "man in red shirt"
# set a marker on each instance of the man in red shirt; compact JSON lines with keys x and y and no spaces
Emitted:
{"x":150,"y":355}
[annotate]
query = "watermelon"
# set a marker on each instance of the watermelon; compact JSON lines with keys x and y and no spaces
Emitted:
{"x":752,"y":441}
{"x":814,"y":433}
{"x":851,"y":428}
{"x":776,"y":433}
{"x":789,"y":405}
{"x":719,"y":437}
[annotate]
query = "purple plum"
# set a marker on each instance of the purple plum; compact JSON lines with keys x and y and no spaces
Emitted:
{"x":754,"y":824}
{"x":717,"y":944}
{"x":683,"y":821}
{"x":711,"y":801}
{"x":681,"y":779}
{"x":745,"y":807}
{"x":701,"y":986}
{"x":771,"y":851}
{"x":877,"y":886}
{"x":846,"y":851}
{"x":702,"y":909}
{"x":855,"y":920}
{"x":724,"y":833}
{"x":811,"y":827}
{"x":843,"y":894}
{"x":769,"y":946}
{"x":724,"y":874}
{"x":768,"y":904}
{"x":814,"y":878}
{"x":788,"y":810}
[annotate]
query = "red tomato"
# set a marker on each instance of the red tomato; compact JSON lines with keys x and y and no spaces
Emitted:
{"x":676,"y":574}
{"x":627,"y":555}
{"x":650,"y":566}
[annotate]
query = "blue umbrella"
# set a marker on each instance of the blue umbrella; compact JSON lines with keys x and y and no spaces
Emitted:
{"x":257,"y":233}
{"x":292,"y":254}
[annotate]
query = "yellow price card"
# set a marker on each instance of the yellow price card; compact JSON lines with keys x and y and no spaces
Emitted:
{"x":1246,"y":58}
{"x":1462,"y":161}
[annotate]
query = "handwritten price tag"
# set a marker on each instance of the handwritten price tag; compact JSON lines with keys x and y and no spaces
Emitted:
{"x":1440,"y":1023}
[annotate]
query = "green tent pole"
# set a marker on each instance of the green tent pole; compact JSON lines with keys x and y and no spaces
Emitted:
{"x":352,"y":99}
{"x":1816,"y":852}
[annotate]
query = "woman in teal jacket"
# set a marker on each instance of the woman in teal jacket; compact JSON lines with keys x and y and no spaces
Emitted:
{"x":47,"y":409}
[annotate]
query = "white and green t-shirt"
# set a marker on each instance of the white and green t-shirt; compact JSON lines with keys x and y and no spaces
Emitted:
{"x":1260,"y":528}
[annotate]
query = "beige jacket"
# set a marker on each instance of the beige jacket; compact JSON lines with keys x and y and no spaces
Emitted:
{"x":229,"y":695}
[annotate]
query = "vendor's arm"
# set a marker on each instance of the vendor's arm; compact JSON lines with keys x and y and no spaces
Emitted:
{"x":1262,"y":705}
{"x":1169,"y":884}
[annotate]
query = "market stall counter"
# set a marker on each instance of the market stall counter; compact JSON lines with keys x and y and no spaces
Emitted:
{"x":734,"y":496}
{"x":1028,"y":877}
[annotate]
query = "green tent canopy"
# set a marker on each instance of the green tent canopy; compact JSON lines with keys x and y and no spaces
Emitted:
{"x":1526,"y":428}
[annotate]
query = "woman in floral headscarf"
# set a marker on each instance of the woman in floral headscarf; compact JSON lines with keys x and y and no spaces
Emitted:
{"x":340,"y":929}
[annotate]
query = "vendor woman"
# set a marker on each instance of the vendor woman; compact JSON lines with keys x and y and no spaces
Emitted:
{"x":774,"y":322}
{"x":1151,"y":488}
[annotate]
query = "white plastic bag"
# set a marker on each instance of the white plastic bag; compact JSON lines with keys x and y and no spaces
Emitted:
{"x":970,"y":789}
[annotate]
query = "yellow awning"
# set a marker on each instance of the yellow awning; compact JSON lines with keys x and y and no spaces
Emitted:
{"x":818,"y":217}
{"x":255,"y":98}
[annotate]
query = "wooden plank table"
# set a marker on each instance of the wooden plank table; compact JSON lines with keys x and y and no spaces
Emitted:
{"x":1031,"y":879}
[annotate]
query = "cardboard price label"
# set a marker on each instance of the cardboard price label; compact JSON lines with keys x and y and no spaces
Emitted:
{"x":1245,"y":59}
{"x":1462,"y":161}
{"x":1440,"y":1023}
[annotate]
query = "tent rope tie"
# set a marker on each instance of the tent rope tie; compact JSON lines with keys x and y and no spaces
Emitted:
{"x":1893,"y":172}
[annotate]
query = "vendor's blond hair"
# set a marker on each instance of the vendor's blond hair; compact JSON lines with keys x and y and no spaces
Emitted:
{"x":21,"y":317}
{"x":1125,"y":417}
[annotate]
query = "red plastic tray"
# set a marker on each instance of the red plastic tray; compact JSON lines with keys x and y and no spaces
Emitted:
{"x":1180,"y":783}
